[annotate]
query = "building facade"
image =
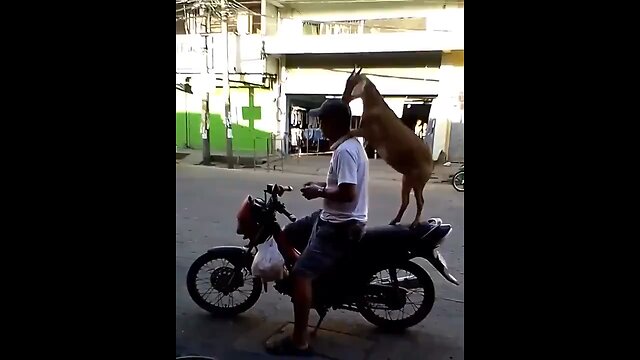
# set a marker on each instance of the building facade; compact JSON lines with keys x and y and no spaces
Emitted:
{"x":301,"y":52}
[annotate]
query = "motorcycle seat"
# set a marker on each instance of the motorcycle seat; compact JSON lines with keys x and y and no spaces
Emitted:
{"x":426,"y":231}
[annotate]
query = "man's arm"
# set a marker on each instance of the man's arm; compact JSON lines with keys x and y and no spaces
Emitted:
{"x":342,"y":193}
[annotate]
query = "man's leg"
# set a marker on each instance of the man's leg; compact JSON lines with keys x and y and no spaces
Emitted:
{"x":299,"y":234}
{"x":327,"y":243}
{"x":324,"y":248}
{"x":301,"y":307}
{"x":304,"y":272}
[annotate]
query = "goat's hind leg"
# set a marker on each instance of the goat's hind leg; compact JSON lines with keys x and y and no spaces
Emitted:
{"x":417,"y":191}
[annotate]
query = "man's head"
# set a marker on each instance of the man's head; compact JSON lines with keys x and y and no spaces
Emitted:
{"x":335,"y":118}
{"x":354,"y":87}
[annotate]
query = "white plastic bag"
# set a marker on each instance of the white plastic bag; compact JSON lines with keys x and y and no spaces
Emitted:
{"x":268,"y":263}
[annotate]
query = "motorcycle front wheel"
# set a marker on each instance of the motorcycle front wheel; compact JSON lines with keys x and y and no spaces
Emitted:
{"x":458,"y":181}
{"x":221,"y":287}
{"x":401,"y":310}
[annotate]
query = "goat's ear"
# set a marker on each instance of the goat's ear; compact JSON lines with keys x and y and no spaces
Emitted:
{"x":358,"y":90}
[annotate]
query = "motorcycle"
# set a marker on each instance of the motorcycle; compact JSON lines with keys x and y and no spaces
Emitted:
{"x":378,"y":279}
{"x":458,"y":179}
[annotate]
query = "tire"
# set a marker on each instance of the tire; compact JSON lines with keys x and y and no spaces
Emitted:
{"x":425,"y":308}
{"x":457,"y":182}
{"x":192,"y":287}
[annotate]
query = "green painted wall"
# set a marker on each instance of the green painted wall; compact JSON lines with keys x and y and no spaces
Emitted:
{"x":188,"y":134}
{"x":188,"y":128}
{"x":181,"y":130}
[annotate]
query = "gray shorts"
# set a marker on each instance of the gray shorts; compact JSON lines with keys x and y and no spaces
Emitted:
{"x":324,"y":243}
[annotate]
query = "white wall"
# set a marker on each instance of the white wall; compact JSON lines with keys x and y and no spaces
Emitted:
{"x":446,"y":108}
{"x":270,"y":19}
{"x":418,"y":41}
{"x":452,"y":83}
{"x":187,"y":102}
{"x":245,"y":54}
{"x":189,"y":53}
{"x":438,"y":112}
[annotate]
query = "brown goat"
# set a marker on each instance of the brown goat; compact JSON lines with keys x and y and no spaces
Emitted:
{"x":398,"y":145}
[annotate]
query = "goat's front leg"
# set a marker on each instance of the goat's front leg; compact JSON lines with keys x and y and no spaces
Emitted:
{"x":359,"y":132}
{"x":406,"y":190}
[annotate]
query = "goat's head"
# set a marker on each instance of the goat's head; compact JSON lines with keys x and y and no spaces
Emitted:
{"x":354,"y":87}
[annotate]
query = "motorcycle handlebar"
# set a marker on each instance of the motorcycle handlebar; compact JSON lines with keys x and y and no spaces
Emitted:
{"x":289,"y":215}
{"x":277,"y":189}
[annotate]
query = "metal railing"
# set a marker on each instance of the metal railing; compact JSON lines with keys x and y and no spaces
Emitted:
{"x":273,"y":150}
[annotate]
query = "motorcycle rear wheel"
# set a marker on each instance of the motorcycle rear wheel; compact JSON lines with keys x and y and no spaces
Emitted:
{"x":224,"y":280}
{"x":424,"y":283}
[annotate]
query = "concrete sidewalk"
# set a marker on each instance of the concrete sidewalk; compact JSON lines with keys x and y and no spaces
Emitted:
{"x":315,"y":165}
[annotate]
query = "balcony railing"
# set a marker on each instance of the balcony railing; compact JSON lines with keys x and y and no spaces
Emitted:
{"x":370,"y":26}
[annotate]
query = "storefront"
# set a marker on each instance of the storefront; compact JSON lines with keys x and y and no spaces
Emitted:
{"x":306,"y":85}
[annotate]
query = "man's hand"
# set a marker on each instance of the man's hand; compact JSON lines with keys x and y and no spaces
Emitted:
{"x":312,"y":191}
{"x":319,"y":183}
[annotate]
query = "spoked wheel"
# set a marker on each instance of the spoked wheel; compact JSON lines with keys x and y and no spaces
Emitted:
{"x":458,"y":181}
{"x":221,"y":287}
{"x":397,"y":307}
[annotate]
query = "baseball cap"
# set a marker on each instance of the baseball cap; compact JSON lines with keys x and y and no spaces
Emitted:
{"x":334,"y":108}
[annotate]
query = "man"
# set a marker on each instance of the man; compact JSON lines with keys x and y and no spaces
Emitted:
{"x":332,"y":231}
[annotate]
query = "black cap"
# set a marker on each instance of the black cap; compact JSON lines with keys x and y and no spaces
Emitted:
{"x":334,"y":108}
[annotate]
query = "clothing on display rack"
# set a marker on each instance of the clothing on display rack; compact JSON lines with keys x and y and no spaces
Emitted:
{"x":312,"y":120}
{"x":298,"y":116}
{"x":304,"y":131}
{"x":313,"y":134}
{"x":296,"y":136}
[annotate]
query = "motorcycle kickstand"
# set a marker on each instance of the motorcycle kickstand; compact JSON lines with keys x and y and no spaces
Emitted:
{"x":317,"y":327}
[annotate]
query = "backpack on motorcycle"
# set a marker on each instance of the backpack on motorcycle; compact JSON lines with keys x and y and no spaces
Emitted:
{"x":268,"y":263}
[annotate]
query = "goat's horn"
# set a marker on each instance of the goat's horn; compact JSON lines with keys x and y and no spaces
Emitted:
{"x":358,"y":73}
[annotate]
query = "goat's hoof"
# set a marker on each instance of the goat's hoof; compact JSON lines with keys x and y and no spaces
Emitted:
{"x":394,"y":222}
{"x":414,"y":224}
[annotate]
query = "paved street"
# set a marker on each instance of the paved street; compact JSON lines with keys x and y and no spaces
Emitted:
{"x":206,"y":203}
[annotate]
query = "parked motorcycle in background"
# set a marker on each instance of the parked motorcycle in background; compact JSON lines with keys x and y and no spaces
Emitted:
{"x":458,"y":179}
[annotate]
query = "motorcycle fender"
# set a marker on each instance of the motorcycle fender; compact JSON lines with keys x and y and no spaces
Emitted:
{"x":238,"y":255}
{"x":436,"y":259}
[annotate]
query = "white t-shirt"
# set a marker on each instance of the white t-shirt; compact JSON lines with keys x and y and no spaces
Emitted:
{"x":350,"y":165}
